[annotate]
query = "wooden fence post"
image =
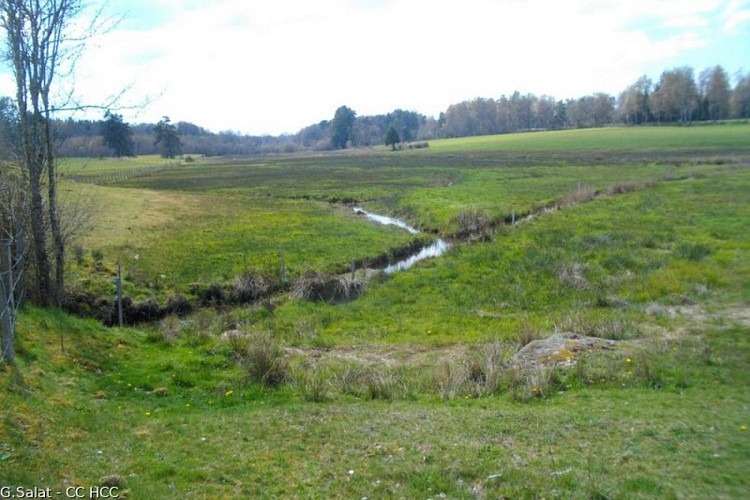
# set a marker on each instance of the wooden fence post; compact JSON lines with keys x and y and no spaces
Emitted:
{"x":119,"y":295}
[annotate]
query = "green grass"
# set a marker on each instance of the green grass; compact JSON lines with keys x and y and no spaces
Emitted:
{"x":717,"y":138}
{"x":223,"y":216}
{"x":110,"y":170}
{"x":404,"y":391}
{"x":181,"y":419}
{"x":631,"y":249}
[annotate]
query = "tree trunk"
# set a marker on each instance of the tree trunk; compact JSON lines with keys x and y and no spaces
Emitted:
{"x":39,"y":237}
{"x":58,"y":237}
{"x":7,"y":307}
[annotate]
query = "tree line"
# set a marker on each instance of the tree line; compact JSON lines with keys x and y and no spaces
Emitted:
{"x":677,"y":97}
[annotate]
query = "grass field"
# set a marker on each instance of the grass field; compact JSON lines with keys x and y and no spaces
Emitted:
{"x":638,"y":235}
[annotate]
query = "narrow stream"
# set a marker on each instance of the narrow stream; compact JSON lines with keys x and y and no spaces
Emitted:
{"x":436,"y":249}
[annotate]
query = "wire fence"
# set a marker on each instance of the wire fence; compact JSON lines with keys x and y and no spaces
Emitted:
{"x":122,"y":175}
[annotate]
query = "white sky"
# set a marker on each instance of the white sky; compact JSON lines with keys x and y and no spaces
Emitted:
{"x":275,"y":66}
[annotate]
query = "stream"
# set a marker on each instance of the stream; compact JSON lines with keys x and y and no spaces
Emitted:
{"x":436,"y":249}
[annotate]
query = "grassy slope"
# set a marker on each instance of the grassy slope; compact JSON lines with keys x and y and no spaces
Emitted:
{"x":91,"y":412}
{"x":679,"y":245}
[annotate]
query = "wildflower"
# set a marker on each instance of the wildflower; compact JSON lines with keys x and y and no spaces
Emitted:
{"x":187,"y":405}
{"x":628,"y":360}
{"x":148,"y":413}
{"x":229,"y":393}
{"x":743,"y":427}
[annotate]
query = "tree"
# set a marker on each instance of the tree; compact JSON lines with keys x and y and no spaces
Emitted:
{"x":602,"y":109}
{"x":676,"y":96}
{"x":715,"y":93}
{"x":167,"y":137}
{"x":633,"y":104}
{"x":740,"y":100}
{"x":38,"y":41}
{"x":8,"y":129}
{"x":392,"y":138}
{"x":117,"y":135}
{"x":12,"y":250}
{"x":342,"y":126}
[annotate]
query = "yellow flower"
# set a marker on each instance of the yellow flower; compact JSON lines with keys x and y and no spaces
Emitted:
{"x":628,"y":360}
{"x":148,"y":414}
{"x":187,"y":405}
{"x":229,"y":393}
{"x":743,"y":427}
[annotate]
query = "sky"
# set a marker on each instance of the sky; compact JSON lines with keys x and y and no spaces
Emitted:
{"x":274,"y":66}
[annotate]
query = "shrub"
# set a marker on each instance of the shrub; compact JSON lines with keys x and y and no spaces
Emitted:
{"x":321,"y":287}
{"x":211,"y":295}
{"x":264,"y":361}
{"x":253,"y":285}
{"x":473,"y":224}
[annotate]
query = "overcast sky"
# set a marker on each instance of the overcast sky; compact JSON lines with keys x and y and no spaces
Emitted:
{"x":275,"y":66}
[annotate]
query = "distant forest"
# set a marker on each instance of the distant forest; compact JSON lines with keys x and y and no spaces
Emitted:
{"x":677,"y":98}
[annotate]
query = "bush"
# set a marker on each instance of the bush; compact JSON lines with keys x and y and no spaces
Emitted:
{"x":321,"y":287}
{"x":253,"y":285}
{"x":264,"y":361}
{"x":473,"y":224}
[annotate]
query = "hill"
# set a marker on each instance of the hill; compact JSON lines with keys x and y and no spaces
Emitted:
{"x":414,"y":389}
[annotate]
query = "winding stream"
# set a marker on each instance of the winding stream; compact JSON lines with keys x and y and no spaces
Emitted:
{"x":436,"y":249}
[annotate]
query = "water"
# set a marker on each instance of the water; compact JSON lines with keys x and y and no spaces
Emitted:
{"x":385,"y":220}
{"x":436,"y":249}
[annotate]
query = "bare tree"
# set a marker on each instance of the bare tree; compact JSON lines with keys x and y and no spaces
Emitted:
{"x":38,"y":43}
{"x":12,"y":263}
{"x":676,"y":96}
{"x":715,"y":93}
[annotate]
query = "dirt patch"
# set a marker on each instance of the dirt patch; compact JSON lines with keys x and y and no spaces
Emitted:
{"x":697,"y":317}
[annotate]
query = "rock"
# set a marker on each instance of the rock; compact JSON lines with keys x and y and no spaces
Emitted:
{"x":560,"y":349}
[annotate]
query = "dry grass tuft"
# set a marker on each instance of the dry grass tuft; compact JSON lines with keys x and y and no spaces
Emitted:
{"x":316,"y":286}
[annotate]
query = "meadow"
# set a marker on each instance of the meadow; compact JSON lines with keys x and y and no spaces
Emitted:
{"x":634,"y":235}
